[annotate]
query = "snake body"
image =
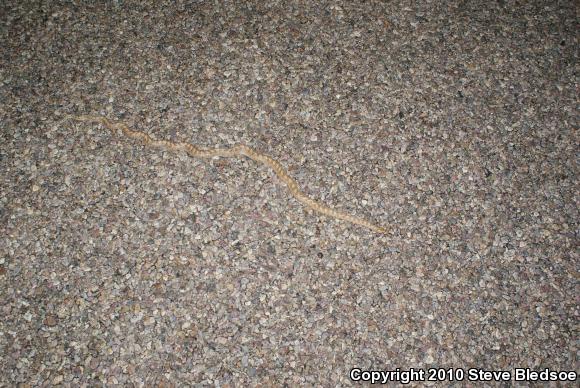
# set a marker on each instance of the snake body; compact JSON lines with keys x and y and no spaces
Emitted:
{"x":234,"y":151}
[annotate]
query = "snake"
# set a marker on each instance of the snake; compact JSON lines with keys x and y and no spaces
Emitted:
{"x":235,"y":151}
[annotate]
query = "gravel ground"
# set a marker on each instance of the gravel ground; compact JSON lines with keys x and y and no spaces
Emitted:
{"x":454,"y":124}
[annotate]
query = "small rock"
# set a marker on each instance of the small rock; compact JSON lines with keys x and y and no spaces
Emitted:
{"x":222,"y":340}
{"x":94,"y":364}
{"x":50,"y":320}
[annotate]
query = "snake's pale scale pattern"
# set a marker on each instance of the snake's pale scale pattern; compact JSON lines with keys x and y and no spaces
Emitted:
{"x":235,"y":151}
